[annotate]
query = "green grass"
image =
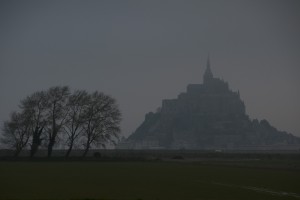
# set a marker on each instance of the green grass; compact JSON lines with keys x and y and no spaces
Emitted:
{"x":141,"y":180}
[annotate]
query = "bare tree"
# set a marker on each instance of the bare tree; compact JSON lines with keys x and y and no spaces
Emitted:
{"x":89,"y":119}
{"x":16,"y":132}
{"x":102,"y":121}
{"x":35,"y":107}
{"x":77,"y":103}
{"x":57,"y":113}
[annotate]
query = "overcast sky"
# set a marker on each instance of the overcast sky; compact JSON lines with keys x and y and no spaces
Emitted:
{"x":141,"y":52}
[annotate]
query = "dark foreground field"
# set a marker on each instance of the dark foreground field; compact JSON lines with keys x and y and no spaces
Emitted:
{"x":145,"y":180}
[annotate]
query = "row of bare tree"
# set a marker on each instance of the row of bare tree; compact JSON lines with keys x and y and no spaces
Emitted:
{"x":77,"y":119}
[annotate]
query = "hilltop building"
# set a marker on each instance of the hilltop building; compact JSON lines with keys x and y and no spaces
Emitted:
{"x":206,"y":116}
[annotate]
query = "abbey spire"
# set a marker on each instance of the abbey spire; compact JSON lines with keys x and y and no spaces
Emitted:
{"x":208,"y":74}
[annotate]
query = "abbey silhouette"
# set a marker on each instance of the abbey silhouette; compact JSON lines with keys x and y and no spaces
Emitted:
{"x":206,"y":116}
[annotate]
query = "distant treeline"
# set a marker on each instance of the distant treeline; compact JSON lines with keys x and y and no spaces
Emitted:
{"x":57,"y":116}
{"x":202,"y":156}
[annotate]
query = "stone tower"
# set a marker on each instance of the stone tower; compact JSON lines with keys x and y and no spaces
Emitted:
{"x":208,"y":76}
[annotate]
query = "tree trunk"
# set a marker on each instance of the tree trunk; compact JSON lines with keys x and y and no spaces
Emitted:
{"x":33,"y":150}
{"x":69,"y":150}
{"x":53,"y":136}
{"x":50,"y":147}
{"x":86,"y":150}
{"x":36,"y":141}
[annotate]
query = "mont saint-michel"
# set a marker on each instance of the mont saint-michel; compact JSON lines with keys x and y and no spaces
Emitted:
{"x":207,"y":116}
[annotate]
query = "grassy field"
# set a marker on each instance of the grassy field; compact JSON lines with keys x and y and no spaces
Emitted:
{"x":144,"y":180}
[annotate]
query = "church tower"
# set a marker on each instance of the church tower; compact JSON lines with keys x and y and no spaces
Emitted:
{"x":208,"y":76}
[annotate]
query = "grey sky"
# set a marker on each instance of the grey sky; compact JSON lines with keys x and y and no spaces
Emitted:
{"x":141,"y":52}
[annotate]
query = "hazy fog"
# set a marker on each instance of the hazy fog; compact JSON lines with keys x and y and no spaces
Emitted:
{"x":141,"y":52}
